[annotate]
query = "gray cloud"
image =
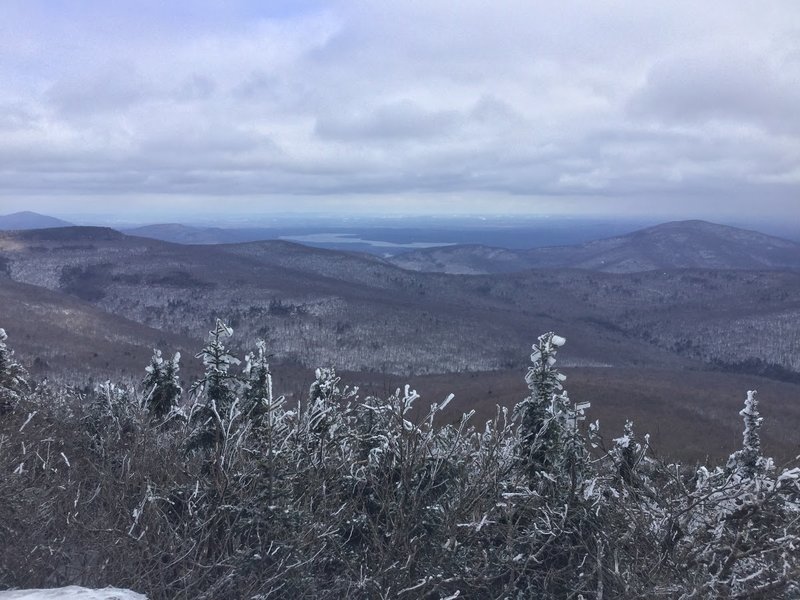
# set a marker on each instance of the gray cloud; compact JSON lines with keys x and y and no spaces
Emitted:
{"x":196,"y":87}
{"x":544,"y":104}
{"x":111,"y":88}
{"x":15,"y":117}
{"x":740,"y":89}
{"x":396,"y":121}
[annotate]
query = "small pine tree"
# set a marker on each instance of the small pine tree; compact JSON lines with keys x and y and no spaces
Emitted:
{"x":744,"y":532}
{"x":217,"y":382}
{"x":748,"y":462}
{"x":547,"y":421}
{"x":268,"y":416}
{"x":215,"y":393}
{"x":111,"y":414}
{"x":325,"y":387}
{"x":627,"y":453}
{"x":324,"y":416}
{"x":323,"y":395}
{"x":258,"y":390}
{"x":162,"y":385}
{"x":13,"y":382}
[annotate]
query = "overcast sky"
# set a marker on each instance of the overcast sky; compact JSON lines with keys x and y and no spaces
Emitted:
{"x":159,"y":108}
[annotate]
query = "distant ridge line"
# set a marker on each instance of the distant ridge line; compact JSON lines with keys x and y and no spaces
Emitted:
{"x":671,"y":245}
{"x":20,"y":221}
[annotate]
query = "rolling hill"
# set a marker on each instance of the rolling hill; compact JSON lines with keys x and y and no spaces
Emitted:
{"x":59,"y":335}
{"x":187,"y":234}
{"x":674,"y":348}
{"x":29,"y":220}
{"x":313,"y":306}
{"x":676,"y":245}
{"x":362,"y":313}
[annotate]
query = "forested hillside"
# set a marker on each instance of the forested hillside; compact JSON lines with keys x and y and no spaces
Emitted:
{"x":228,"y":490}
{"x":318,"y":306}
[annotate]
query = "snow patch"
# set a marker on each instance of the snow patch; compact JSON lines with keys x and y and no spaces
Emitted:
{"x":72,"y":593}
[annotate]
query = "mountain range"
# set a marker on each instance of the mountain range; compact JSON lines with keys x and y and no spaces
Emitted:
{"x":312,"y":305}
{"x":90,"y":300}
{"x":366,"y":314}
{"x":676,"y":245}
{"x":187,"y":234}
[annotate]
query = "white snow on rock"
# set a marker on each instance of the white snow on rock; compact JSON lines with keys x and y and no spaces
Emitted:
{"x":72,"y":593}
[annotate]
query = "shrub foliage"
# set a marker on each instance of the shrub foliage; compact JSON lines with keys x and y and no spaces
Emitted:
{"x":234,"y":492}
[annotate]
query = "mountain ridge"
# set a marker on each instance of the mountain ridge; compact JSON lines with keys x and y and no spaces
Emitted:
{"x":362,"y":313}
{"x":57,"y":332}
{"x":671,"y":245}
{"x":318,"y":305}
{"x":26,"y":219}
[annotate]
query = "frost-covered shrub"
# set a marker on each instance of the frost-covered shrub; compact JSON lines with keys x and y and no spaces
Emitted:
{"x":13,"y":377}
{"x":748,"y":462}
{"x":551,"y":449}
{"x":162,"y":386}
{"x":338,"y":496}
{"x":215,"y":397}
{"x":742,"y":533}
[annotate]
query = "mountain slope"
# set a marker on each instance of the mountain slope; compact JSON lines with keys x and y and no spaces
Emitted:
{"x":186,"y":234}
{"x":29,"y":220}
{"x":57,"y":334}
{"x":362,"y":313}
{"x":676,"y":245}
{"x":313,"y":306}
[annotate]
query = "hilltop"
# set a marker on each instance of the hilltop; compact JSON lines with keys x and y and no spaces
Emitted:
{"x":30,"y":220}
{"x":675,"y":245}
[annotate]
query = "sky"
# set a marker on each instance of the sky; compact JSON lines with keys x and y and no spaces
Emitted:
{"x":155,"y":109}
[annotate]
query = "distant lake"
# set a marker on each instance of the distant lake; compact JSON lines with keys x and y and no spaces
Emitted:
{"x":352,"y":238}
{"x":379,"y":239}
{"x":387,"y":237}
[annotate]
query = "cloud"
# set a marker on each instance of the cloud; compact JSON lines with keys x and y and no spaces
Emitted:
{"x":196,"y":87}
{"x":113,"y":87}
{"x":597,"y":102}
{"x":733,"y":87}
{"x":402,"y":120}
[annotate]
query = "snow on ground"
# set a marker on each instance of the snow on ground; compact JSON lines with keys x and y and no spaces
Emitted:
{"x":72,"y":593}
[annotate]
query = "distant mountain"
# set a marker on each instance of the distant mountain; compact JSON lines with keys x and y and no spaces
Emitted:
{"x":676,"y":245}
{"x":316,"y":306}
{"x":65,"y":235}
{"x":29,"y":220}
{"x":361,"y":313}
{"x":392,"y":237}
{"x":186,"y":234}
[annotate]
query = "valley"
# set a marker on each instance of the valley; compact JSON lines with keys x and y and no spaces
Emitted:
{"x":362,"y":313}
{"x":79,"y":299}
